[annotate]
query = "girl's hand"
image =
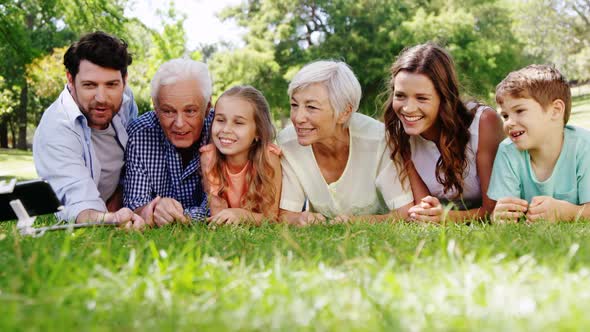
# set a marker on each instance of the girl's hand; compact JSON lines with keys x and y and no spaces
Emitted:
{"x":208,"y":157}
{"x":429,"y":210}
{"x":509,"y":209}
{"x":231,"y":216}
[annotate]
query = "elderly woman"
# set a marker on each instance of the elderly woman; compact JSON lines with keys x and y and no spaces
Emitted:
{"x":336,"y":163}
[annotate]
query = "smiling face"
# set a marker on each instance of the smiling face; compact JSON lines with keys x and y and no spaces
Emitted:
{"x":416,"y":103}
{"x":234,"y":128}
{"x":526,"y":122}
{"x":181,"y":109}
{"x":98,"y":91}
{"x":313,"y":116}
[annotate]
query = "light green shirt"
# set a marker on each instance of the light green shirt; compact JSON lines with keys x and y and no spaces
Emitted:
{"x":513,"y":175}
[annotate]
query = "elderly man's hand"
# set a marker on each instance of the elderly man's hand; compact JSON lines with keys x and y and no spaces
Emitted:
{"x":125,"y":218}
{"x":168,"y":210}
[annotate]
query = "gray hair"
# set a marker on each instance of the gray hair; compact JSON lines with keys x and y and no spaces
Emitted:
{"x":343,"y":87}
{"x":176,"y":70}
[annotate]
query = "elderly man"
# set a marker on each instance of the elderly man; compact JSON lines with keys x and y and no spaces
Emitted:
{"x":79,"y":143}
{"x":163,"y":171}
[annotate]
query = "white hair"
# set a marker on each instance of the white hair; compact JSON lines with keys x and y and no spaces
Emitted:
{"x":177,"y":70}
{"x":344,"y":89}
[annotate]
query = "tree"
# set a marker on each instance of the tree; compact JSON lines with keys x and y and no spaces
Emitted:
{"x":556,"y":31}
{"x":30,"y":29}
{"x":369,"y":34}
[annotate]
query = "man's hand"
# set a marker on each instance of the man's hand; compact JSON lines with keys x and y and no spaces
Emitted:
{"x":168,"y":210}
{"x":147,"y":211}
{"x":125,"y":218}
{"x":509,"y":209}
{"x":429,"y":210}
{"x":548,"y":208}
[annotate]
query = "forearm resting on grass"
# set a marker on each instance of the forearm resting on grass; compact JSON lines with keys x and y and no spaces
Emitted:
{"x":123,"y":217}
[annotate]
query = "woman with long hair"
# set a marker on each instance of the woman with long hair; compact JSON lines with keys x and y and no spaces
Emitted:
{"x":445,"y":147}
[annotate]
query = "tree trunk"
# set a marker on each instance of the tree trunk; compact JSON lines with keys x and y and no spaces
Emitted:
{"x":12,"y":128}
{"x":3,"y":133}
{"x":21,"y":117}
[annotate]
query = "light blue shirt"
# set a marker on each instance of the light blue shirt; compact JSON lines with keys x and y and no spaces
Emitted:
{"x":64,"y":155}
{"x":513,"y":176}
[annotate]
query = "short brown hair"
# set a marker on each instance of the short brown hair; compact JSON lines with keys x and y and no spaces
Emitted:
{"x":543,"y":83}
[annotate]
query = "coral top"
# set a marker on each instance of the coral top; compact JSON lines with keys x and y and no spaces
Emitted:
{"x":236,"y":182}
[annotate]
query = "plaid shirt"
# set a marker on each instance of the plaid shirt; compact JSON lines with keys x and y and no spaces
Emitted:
{"x":153,"y":167}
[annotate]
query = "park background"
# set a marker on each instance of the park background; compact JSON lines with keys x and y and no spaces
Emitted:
{"x":392,"y":276}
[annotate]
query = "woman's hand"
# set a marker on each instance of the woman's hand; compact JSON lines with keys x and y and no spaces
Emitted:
{"x":429,"y":210}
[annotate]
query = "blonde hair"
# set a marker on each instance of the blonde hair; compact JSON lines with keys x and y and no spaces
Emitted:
{"x":261,"y":193}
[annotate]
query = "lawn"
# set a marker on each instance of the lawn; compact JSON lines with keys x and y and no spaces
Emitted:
{"x":347,"y":277}
{"x":392,"y":276}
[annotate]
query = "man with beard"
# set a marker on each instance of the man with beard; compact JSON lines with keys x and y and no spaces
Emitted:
{"x":79,"y":144}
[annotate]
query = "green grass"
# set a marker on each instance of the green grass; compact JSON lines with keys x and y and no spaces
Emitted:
{"x":346,"y":277}
{"x":16,"y":163}
{"x":383,"y":277}
{"x":581,"y":111}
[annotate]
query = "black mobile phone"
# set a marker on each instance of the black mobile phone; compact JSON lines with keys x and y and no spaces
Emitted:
{"x":37,"y":197}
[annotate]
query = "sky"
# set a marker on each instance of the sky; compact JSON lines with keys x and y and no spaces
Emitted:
{"x":201,"y":25}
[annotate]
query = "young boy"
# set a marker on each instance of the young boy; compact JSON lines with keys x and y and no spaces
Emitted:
{"x":542,"y":170}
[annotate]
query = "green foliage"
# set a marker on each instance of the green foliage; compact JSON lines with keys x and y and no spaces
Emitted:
{"x":368,"y":35}
{"x":556,"y":31}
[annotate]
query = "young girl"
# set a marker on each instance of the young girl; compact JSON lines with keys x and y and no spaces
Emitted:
{"x":445,"y":147}
{"x":242,"y":169}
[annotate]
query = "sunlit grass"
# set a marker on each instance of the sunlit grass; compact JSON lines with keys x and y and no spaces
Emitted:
{"x":16,"y":163}
{"x":346,"y":277}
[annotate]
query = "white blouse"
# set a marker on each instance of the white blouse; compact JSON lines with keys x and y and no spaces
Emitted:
{"x":425,"y":154}
{"x":369,"y":184}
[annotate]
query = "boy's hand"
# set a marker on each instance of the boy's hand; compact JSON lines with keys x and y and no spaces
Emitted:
{"x":547,"y":208}
{"x":429,"y":210}
{"x":509,"y":209}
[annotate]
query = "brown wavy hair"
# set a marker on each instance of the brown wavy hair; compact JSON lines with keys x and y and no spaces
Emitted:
{"x":260,"y":194}
{"x":453,"y":118}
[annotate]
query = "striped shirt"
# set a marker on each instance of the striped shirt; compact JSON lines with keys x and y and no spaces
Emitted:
{"x":153,"y":167}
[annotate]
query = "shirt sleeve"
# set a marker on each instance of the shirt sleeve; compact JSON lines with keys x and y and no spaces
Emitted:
{"x":137,"y":190}
{"x":59,"y":160}
{"x":583,"y":175}
{"x":504,"y":181}
{"x":292,"y":195}
{"x":199,"y":212}
{"x":389,"y":184}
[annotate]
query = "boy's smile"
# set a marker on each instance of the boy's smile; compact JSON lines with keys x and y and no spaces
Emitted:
{"x":527,"y":123}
